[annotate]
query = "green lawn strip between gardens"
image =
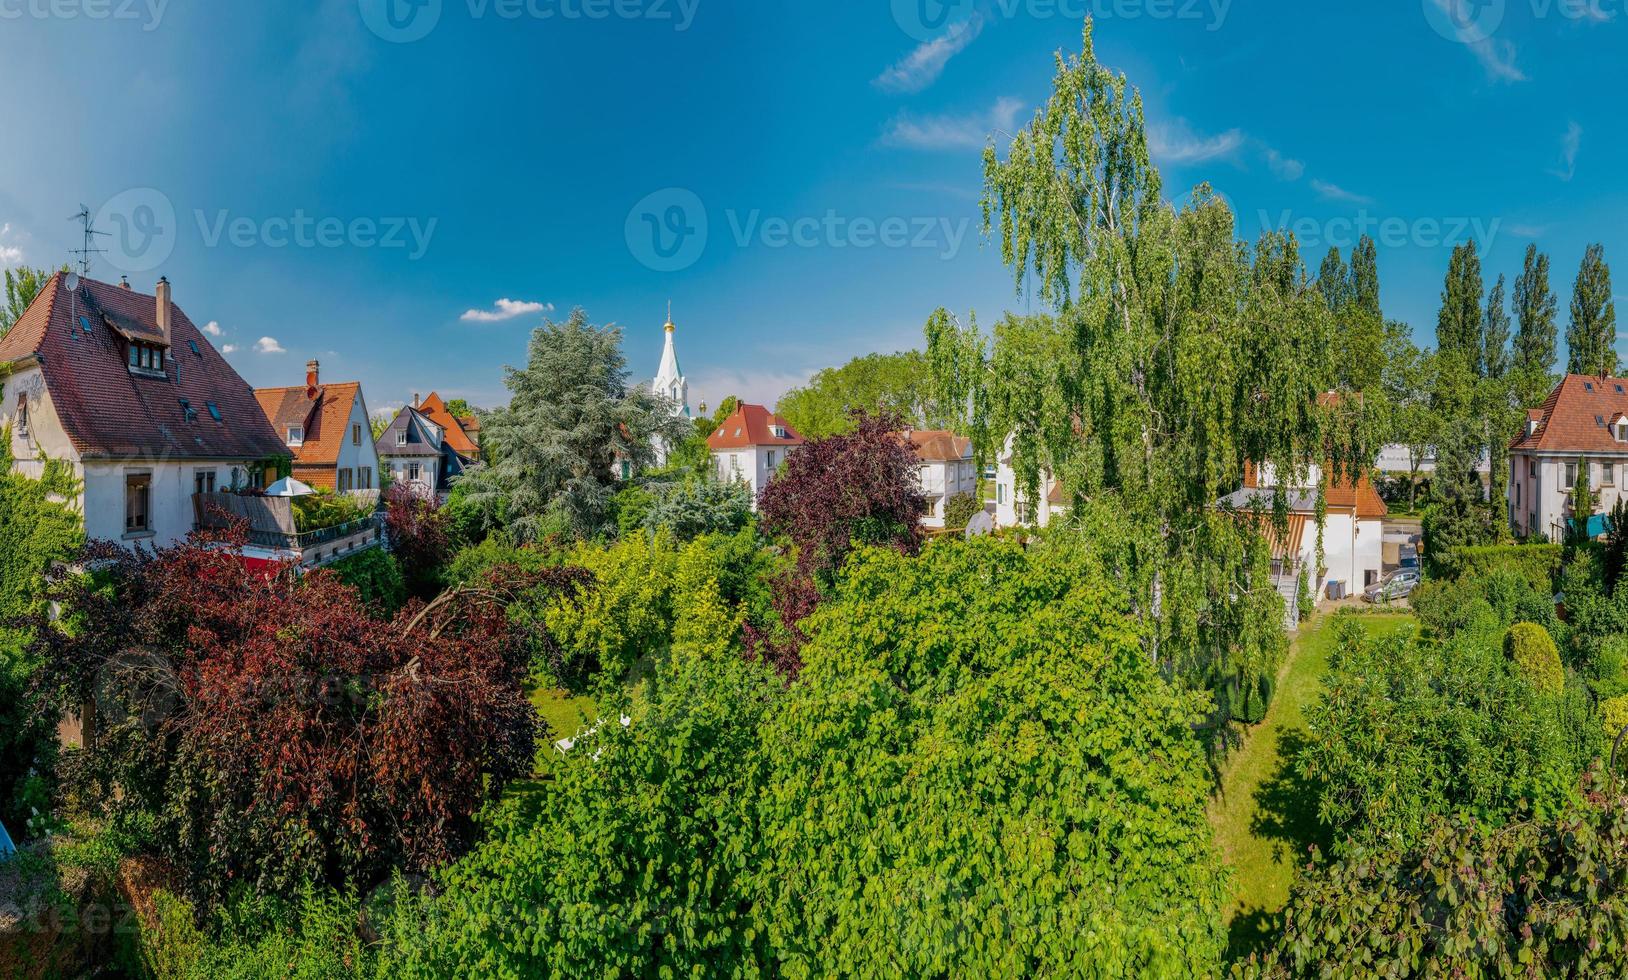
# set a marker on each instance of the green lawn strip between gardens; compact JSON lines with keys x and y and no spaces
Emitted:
{"x":1265,"y":816}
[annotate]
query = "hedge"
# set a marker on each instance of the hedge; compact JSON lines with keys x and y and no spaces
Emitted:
{"x":1537,"y":563}
{"x":1536,"y":657}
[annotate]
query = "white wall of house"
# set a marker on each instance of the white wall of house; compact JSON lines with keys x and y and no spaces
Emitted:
{"x":1540,"y":488}
{"x":357,"y":452}
{"x":753,"y":466}
{"x":1012,"y":507}
{"x":941,"y":480}
{"x":428,"y":471}
{"x":105,"y":497}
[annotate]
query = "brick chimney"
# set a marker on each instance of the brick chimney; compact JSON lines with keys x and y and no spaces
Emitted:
{"x":311,"y":379}
{"x":163,"y":300}
{"x":416,"y":402}
{"x":124,"y":282}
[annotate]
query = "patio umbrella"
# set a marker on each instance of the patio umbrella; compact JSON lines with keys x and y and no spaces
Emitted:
{"x":6,"y":848}
{"x":289,"y":487}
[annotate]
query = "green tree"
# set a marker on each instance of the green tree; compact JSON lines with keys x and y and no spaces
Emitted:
{"x":892,"y":384}
{"x":22,"y":285}
{"x":1535,"y":311}
{"x":1365,"y":276}
{"x":1592,"y":334}
{"x":1495,"y":361}
{"x":1174,"y":356}
{"x":1334,"y":282}
{"x":979,"y":773}
{"x":1582,"y":504}
{"x":1459,"y":325}
{"x":553,"y":453}
{"x":1408,"y":385}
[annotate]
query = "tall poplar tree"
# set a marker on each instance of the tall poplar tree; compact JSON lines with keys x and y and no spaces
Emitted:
{"x":1536,"y":309}
{"x":1334,"y":281}
{"x":1365,"y":276}
{"x":1495,"y":334}
{"x":1592,"y":335}
{"x":1458,"y":326}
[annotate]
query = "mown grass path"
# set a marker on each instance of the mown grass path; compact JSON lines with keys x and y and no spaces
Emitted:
{"x":1265,"y":815}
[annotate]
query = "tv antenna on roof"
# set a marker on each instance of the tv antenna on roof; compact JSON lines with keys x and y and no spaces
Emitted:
{"x":87,"y":248}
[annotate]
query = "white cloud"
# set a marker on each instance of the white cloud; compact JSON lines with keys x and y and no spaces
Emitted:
{"x":1498,"y":58}
{"x":921,"y":67}
{"x":10,"y":254}
{"x":1528,"y":231}
{"x":212,"y":328}
{"x":1334,"y":192}
{"x":1569,"y":145}
{"x":1473,"y":23}
{"x":1284,"y":167}
{"x":228,"y":349}
{"x":506,"y":309}
{"x":268,"y":345}
{"x":1175,"y":142}
{"x":953,"y":132}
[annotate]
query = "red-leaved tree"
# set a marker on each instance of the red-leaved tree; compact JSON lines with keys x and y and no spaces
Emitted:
{"x":420,"y":536}
{"x":861,"y":488}
{"x":270,"y":732}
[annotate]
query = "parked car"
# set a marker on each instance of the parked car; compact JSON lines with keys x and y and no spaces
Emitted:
{"x":1397,"y":585}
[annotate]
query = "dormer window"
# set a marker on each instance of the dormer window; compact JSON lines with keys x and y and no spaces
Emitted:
{"x":401,"y":438}
{"x":188,"y":413}
{"x":779,"y":431}
{"x":146,"y":358}
{"x":296,"y":435}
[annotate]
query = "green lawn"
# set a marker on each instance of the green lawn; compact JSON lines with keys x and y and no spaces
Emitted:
{"x":1265,"y":815}
{"x":566,"y":715}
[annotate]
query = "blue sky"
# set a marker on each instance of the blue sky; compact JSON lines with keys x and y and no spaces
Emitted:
{"x":352,"y":193}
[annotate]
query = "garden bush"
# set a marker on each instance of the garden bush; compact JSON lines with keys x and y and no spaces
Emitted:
{"x":1533,"y":652}
{"x":374,"y":575}
{"x":1614,"y":716}
{"x":960,"y":509}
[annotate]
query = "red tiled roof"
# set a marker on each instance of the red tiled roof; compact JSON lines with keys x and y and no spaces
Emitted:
{"x":940,"y":446}
{"x":325,"y":419}
{"x":1576,"y":417}
{"x":457,"y":437}
{"x":748,"y":427}
{"x":109,"y":412}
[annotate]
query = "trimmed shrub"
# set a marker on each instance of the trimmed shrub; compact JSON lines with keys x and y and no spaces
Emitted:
{"x":1536,"y":658}
{"x":376,"y":577}
{"x":1537,"y":563}
{"x":1614,"y":715}
{"x":960,"y":509}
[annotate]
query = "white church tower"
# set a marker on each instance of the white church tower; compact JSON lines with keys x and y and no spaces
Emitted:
{"x":670,"y":381}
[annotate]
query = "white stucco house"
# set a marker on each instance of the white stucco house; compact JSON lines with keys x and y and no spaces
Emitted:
{"x":946,"y":470}
{"x":121,"y":387}
{"x":1353,"y":532}
{"x":1012,"y":506}
{"x":750,"y":445}
{"x":417,"y":451}
{"x":1581,"y":428}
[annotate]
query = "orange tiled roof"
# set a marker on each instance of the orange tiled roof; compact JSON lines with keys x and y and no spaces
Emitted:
{"x":940,"y":446}
{"x":457,"y":436}
{"x":1343,"y":494}
{"x":750,"y":426}
{"x":1577,"y":416}
{"x":325,"y":419}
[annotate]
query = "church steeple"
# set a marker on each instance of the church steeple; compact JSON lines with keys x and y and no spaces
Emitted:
{"x":670,"y":381}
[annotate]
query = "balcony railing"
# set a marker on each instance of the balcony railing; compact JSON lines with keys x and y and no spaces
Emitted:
{"x":269,"y":523}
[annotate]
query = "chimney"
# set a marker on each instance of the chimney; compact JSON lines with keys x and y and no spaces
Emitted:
{"x":124,"y":282}
{"x":163,"y":297}
{"x":311,"y":376}
{"x":416,"y":402}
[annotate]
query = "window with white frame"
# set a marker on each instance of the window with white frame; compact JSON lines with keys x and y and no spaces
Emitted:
{"x":1571,"y":476}
{"x":401,"y":437}
{"x":138,"y":495}
{"x":296,"y":435}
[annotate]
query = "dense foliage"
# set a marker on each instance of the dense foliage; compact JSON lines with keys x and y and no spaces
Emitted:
{"x":1543,"y":897}
{"x":1410,"y":730}
{"x":960,"y":509}
{"x":325,"y":509}
{"x":270,"y":733}
{"x":376,"y":577}
{"x":977,"y":773}
{"x":898,"y":385}
{"x":420,"y":535}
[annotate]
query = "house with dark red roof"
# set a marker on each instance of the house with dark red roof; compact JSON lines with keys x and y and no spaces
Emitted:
{"x":326,"y":429}
{"x":418,"y":451}
{"x":1582,"y":429}
{"x":750,"y":445}
{"x":124,"y":388}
